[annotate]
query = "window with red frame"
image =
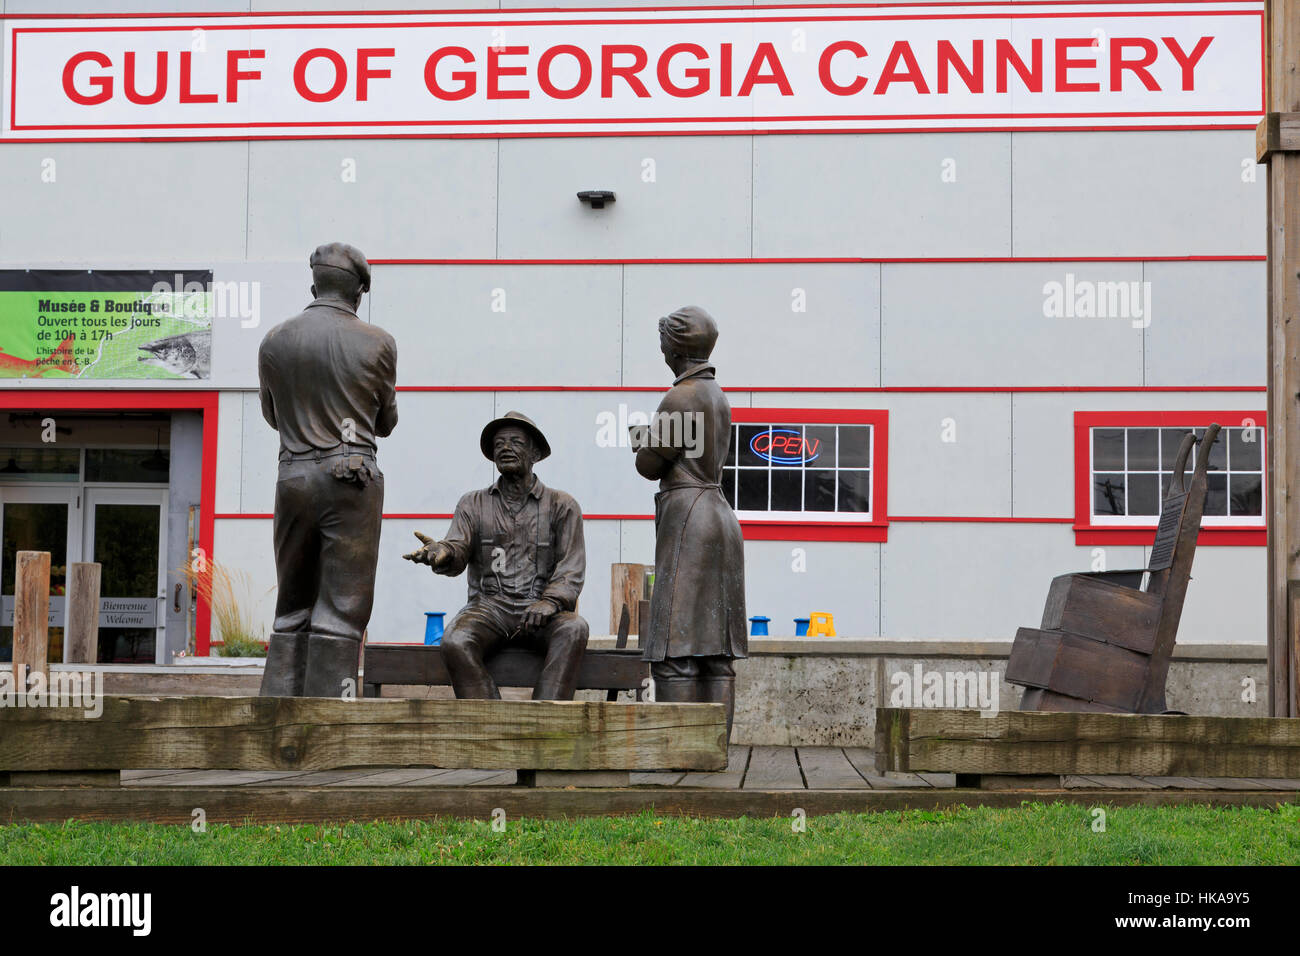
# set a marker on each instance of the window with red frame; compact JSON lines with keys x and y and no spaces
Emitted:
{"x":808,"y":473}
{"x":1124,"y":464}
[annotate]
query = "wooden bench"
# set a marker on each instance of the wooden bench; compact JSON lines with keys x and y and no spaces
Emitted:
{"x":608,"y":670}
{"x":1105,"y":641}
{"x":611,"y":670}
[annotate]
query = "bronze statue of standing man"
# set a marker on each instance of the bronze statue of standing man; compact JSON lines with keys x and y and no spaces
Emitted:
{"x":328,"y":385}
{"x":697,"y":608}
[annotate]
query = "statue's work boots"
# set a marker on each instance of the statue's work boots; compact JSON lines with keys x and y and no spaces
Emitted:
{"x":720,"y":690}
{"x":286,"y":666}
{"x":706,"y":690}
{"x":331,"y":667}
{"x":675,"y":690}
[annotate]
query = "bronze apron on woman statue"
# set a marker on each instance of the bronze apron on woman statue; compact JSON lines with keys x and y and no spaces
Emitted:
{"x":697,"y":608}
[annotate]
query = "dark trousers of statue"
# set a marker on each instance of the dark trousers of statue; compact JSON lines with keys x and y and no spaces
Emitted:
{"x":485,"y":626}
{"x":708,"y":679}
{"x":326,"y":552}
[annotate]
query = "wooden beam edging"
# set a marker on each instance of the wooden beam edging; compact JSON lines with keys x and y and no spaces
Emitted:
{"x":1277,"y":133}
{"x":1037,"y":743}
{"x":265,"y":805}
{"x":284,"y":733}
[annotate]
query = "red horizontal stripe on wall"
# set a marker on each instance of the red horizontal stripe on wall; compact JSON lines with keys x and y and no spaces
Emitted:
{"x":993,"y":519}
{"x":922,"y":519}
{"x":420,"y":516}
{"x":840,"y":389}
{"x":806,"y":260}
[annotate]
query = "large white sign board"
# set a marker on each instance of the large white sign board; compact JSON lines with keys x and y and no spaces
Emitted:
{"x":955,"y":66}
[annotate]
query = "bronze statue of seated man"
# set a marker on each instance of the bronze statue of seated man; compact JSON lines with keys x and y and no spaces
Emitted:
{"x":523,"y":546}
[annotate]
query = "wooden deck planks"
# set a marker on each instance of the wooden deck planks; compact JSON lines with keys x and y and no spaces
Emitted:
{"x":1244,"y":783}
{"x":131,"y":776}
{"x":729,"y":779}
{"x":478,"y":778}
{"x":773,"y":768}
{"x":939,"y":780}
{"x":660,"y":778}
{"x":864,"y":761}
{"x":403,"y":777}
{"x":1118,"y":782}
{"x":827,"y":768}
{"x":213,"y":778}
{"x":317,"y":778}
{"x":1181,"y":783}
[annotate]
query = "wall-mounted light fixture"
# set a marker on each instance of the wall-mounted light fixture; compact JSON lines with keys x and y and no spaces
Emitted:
{"x":596,"y":197}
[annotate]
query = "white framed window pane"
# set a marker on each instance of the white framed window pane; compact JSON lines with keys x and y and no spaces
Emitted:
{"x":854,"y":448}
{"x":1108,"y":494}
{"x":1143,"y":449}
{"x":820,"y":442}
{"x":1245,"y":450}
{"x":1246,"y":495}
{"x":1107,"y":449}
{"x":854,"y":491}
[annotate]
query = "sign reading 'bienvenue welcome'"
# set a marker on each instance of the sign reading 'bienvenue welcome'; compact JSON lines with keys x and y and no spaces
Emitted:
{"x":1027,"y":65}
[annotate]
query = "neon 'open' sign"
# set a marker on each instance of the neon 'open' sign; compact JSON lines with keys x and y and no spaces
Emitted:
{"x":785,"y":446}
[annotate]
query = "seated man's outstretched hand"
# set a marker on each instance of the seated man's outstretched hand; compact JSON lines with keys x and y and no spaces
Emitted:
{"x":433,"y":553}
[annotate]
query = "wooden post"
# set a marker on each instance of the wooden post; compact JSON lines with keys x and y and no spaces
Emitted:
{"x":81,"y":620}
{"x":626,"y":586}
{"x":31,"y":615}
{"x":1277,"y":143}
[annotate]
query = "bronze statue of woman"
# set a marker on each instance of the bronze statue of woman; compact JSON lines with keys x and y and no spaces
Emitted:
{"x":697,"y":608}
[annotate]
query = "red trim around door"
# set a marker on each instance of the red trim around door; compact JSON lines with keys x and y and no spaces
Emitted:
{"x":154,"y":400}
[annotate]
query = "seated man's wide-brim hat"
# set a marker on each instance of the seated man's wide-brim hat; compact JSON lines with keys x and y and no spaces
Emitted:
{"x":520,"y":420}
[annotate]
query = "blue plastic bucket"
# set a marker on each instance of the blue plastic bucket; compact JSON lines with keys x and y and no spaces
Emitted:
{"x":758,"y":626}
{"x":801,"y":626}
{"x":433,"y":626}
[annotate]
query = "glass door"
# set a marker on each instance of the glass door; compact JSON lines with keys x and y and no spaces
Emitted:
{"x":126,"y":533}
{"x":37,"y":519}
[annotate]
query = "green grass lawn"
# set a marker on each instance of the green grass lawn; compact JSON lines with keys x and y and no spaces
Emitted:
{"x":1034,"y":833}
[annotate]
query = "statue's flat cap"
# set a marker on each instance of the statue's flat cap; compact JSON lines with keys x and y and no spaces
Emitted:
{"x":339,"y":255}
{"x":519,"y":420}
{"x":690,"y":331}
